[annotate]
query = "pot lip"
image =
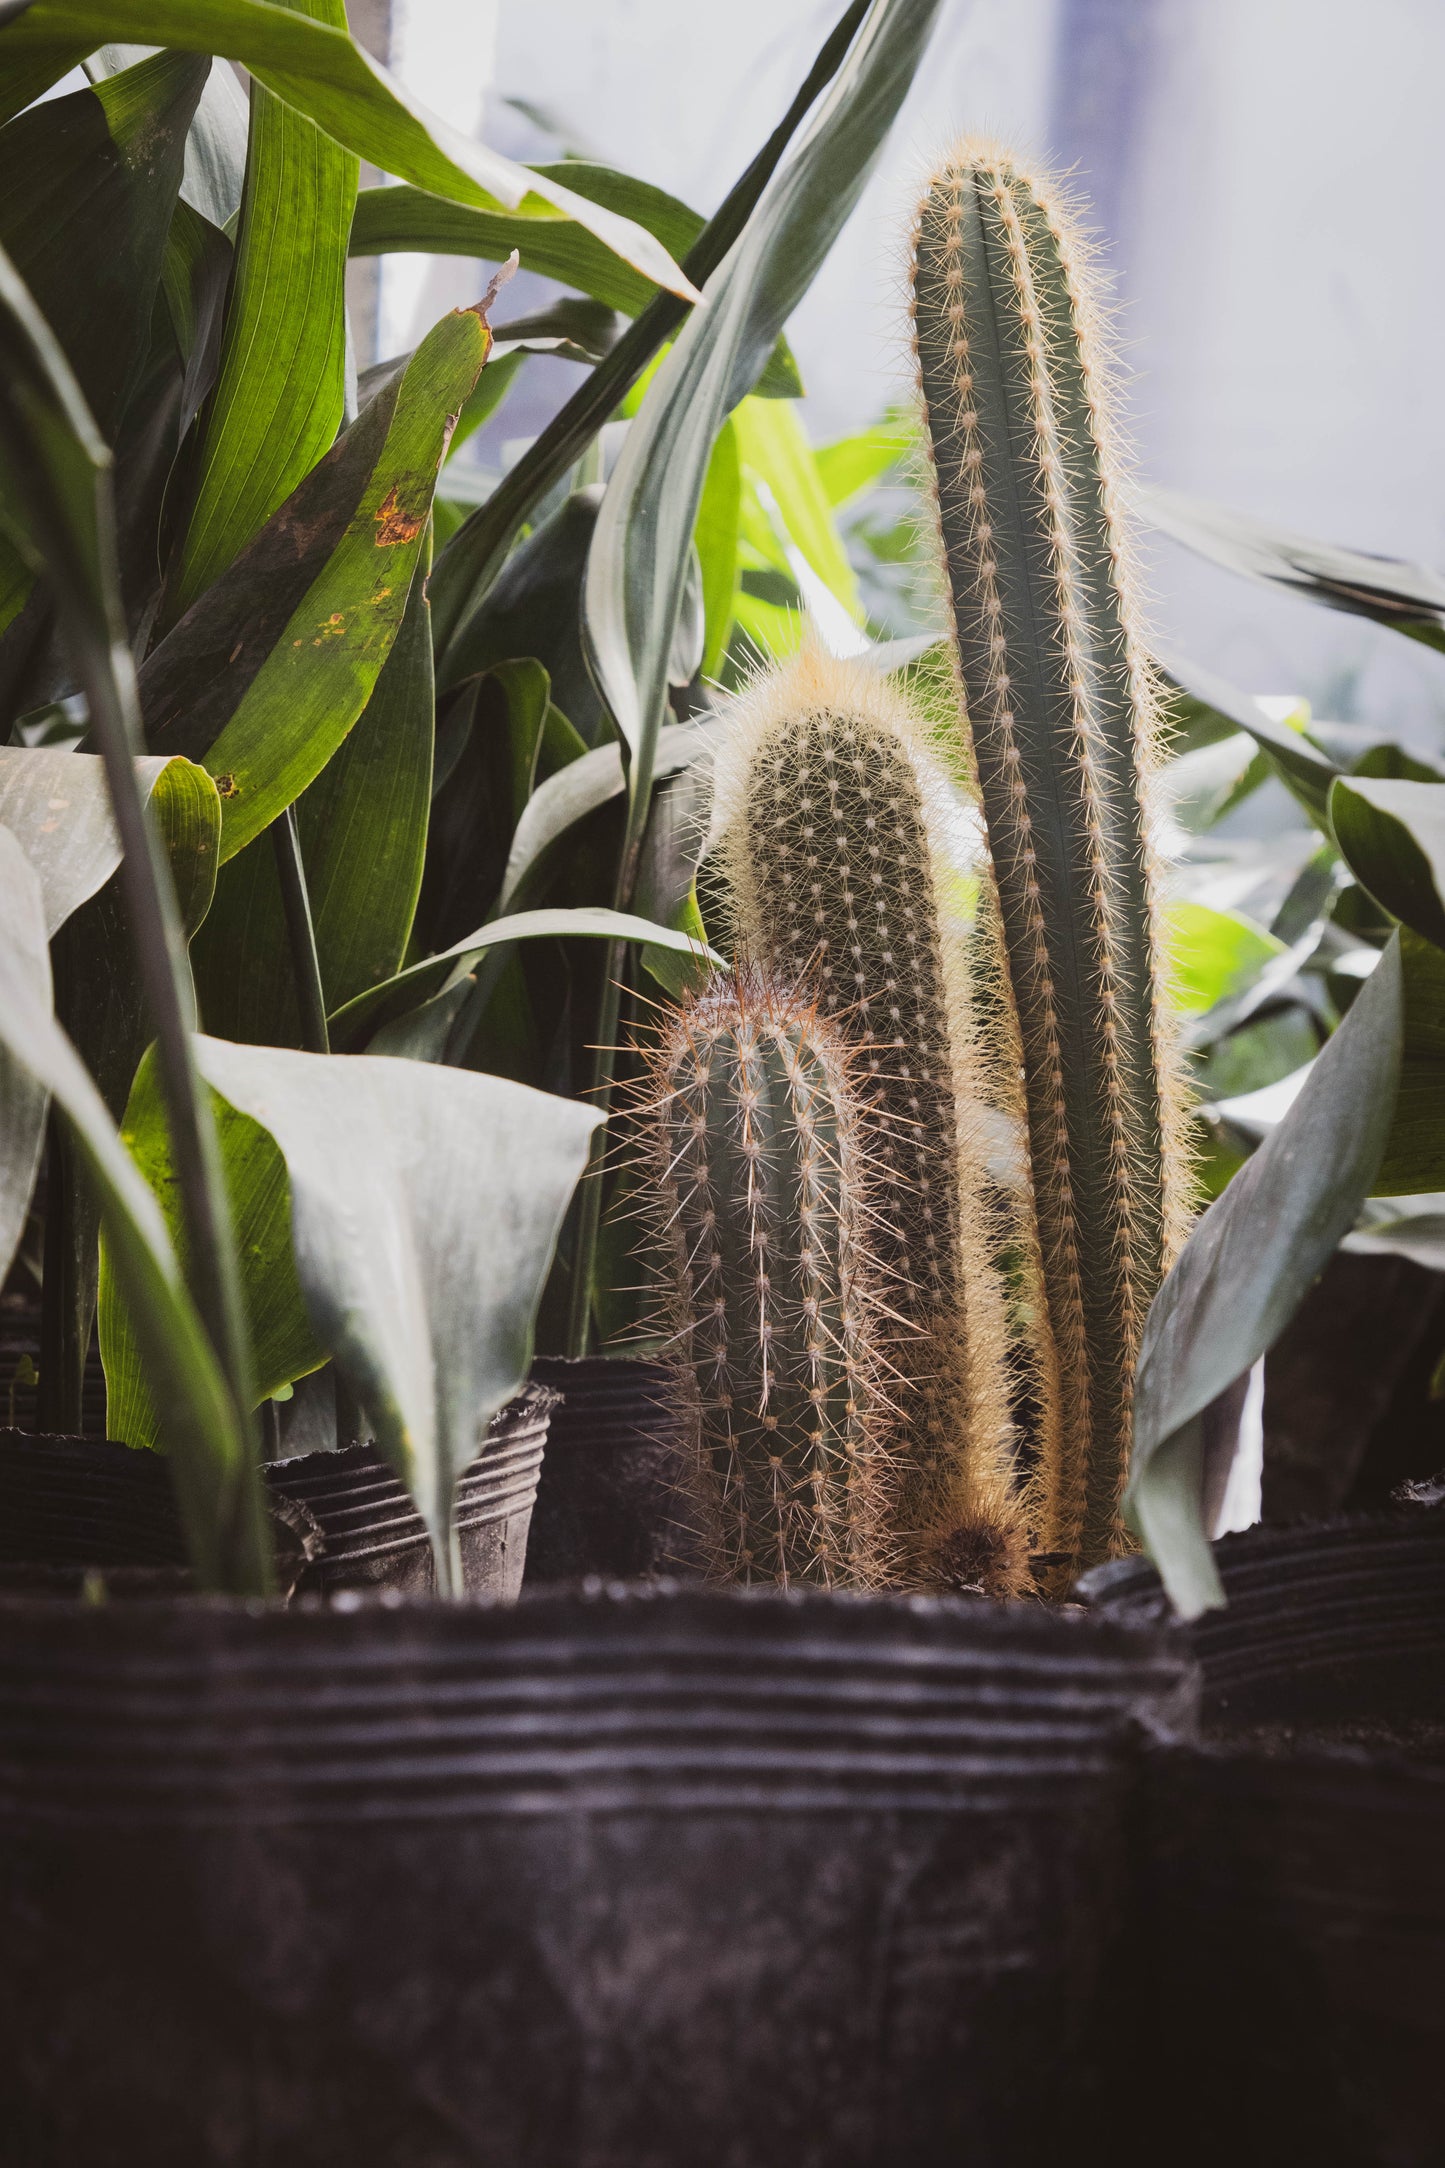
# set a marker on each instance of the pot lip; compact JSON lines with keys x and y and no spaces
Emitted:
{"x":592,"y":1606}
{"x":1134,"y":1580}
{"x":1317,"y":1759}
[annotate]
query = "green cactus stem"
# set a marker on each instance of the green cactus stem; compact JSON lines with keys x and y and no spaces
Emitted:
{"x":839,"y":837}
{"x":763,"y":1200}
{"x":1059,"y":719}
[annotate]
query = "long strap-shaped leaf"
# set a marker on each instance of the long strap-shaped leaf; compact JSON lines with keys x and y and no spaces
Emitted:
{"x":325,"y":74}
{"x":56,"y":470}
{"x":281,"y":390}
{"x":1246,"y":1268}
{"x":215,"y":1479}
{"x":638,"y":565}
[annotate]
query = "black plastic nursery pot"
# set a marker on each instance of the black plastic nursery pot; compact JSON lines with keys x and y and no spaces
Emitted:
{"x":606,"y":1879}
{"x":611,"y":1499}
{"x":1296,"y":1856}
{"x":343,"y":1520}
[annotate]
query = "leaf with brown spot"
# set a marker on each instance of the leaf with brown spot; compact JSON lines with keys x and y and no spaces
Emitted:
{"x":264,"y":677}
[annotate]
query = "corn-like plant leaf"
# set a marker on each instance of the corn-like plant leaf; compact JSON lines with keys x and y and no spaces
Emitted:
{"x":1306,"y":772}
{"x":1408,"y":598}
{"x":638,"y":567}
{"x":322,"y":72}
{"x":281,"y":390}
{"x":425,"y":1207}
{"x":214,"y":1480}
{"x":567,"y":798}
{"x":362,"y":828}
{"x":1248,"y":1265}
{"x":1393,"y":837}
{"x":58,"y":808}
{"x":1414,"y":1161}
{"x":267,"y":673}
{"x":365,"y":1015}
{"x":283,"y":1346}
{"x":87,"y":187}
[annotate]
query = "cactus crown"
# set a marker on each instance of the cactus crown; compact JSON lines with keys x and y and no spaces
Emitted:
{"x":847,"y":856}
{"x":1059,"y":719}
{"x":763,"y":1188}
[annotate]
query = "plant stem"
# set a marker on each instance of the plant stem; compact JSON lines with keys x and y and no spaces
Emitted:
{"x":301,"y":933}
{"x":474,"y":555}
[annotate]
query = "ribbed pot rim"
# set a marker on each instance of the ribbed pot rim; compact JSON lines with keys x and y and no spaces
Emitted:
{"x":606,"y":1697}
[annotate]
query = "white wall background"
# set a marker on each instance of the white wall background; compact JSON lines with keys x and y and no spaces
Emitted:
{"x":1269,"y":176}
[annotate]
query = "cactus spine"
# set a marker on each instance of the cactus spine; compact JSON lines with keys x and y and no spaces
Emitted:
{"x":1058,"y":705}
{"x":763,"y":1194}
{"x":832,"y":823}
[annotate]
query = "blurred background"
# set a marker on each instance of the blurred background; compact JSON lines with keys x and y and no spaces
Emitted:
{"x":1263,"y":176}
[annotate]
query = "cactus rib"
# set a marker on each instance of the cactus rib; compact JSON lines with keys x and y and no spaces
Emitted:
{"x":764,"y":1201}
{"x":1059,"y":706}
{"x":832,"y":825}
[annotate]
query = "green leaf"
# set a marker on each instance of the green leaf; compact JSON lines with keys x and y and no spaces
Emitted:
{"x":567,"y":798}
{"x":268,"y":672}
{"x":1302,"y":768}
{"x":87,"y":187}
{"x":419,"y":982}
{"x":774,"y":449}
{"x":638,"y":566}
{"x":716,"y":540}
{"x":279,"y":397}
{"x":363,"y":827}
{"x":326,"y":75}
{"x":1213,"y":954}
{"x":1414,"y":1160}
{"x":534,"y":608}
{"x":1248,"y":1265}
{"x":1408,"y":598}
{"x":216,"y":1486}
{"x":58,"y":808}
{"x":88,"y":184}
{"x":24,"y":960}
{"x":425,"y":1207}
{"x":853,"y":464}
{"x":476,"y":551}
{"x":282,"y":1342}
{"x":1393,"y":837}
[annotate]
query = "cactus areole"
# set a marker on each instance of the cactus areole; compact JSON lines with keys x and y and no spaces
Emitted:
{"x":1058,"y":716}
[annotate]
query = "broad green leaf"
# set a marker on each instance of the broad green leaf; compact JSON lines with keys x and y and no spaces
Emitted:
{"x":216,"y":1485}
{"x":425,"y":1206}
{"x":851,"y":465}
{"x":87,"y":187}
{"x":477,"y":550}
{"x":1409,"y":598}
{"x":1213,"y":954}
{"x":1246,"y":1268}
{"x":577,"y":790}
{"x":420,"y":981}
{"x":282,"y":1342}
{"x":1414,"y":1160}
{"x":534,"y":608}
{"x":638,"y":566}
{"x":88,"y":184}
{"x":774,"y":449}
{"x":1302,"y":768}
{"x":716,"y":541}
{"x":267,"y":673}
{"x":325,"y":74}
{"x":278,"y":400}
{"x":216,"y":150}
{"x":363,"y":825}
{"x":58,"y":808}
{"x":1393,"y":837}
{"x":24,"y":934}
{"x":405,"y":220}
{"x":1417,"y":1232}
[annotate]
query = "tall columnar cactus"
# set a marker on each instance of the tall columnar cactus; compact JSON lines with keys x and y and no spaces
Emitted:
{"x":1057,"y":701}
{"x":834,"y":829}
{"x":763,"y":1197}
